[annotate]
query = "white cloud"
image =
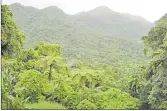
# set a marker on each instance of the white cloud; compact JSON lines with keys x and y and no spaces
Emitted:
{"x":149,"y":9}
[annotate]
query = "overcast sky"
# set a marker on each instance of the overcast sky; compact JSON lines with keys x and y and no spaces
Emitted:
{"x":150,"y":9}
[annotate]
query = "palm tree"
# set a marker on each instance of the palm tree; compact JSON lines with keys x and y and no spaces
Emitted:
{"x":47,"y":62}
{"x":87,"y":78}
{"x":134,"y":86}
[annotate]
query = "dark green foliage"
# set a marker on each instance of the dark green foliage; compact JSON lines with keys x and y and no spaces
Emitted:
{"x":155,"y":84}
{"x":11,"y":38}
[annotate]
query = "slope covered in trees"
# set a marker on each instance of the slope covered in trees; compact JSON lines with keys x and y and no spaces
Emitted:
{"x":40,"y":78}
{"x":116,"y":24}
{"x":80,"y":41}
{"x":156,"y":72}
{"x":150,"y":85}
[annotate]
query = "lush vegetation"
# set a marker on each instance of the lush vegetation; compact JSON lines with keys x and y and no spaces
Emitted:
{"x":40,"y":77}
{"x":155,"y":74}
{"x":80,"y":41}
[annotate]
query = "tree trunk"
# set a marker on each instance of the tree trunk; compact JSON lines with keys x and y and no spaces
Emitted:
{"x":50,"y":73}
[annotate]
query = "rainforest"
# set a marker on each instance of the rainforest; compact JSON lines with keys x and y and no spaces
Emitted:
{"x":100,"y":59}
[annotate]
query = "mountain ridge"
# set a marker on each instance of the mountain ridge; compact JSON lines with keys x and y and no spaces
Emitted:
{"x":103,"y":18}
{"x":77,"y":39}
{"x":102,"y":6}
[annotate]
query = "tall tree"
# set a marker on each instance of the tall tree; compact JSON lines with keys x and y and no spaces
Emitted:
{"x":156,"y":74}
{"x":11,"y":47}
{"x":11,"y":38}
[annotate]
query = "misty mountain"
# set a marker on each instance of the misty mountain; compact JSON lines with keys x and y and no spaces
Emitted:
{"x":114,"y":23}
{"x":99,"y":36}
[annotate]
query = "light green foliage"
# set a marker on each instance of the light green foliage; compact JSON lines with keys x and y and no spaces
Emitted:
{"x":10,"y":73}
{"x":30,"y":54}
{"x":121,"y":100}
{"x":11,"y":47}
{"x":62,"y":90}
{"x":52,"y":66}
{"x":13,"y":103}
{"x":110,"y":75}
{"x":163,"y":105}
{"x":30,"y":64}
{"x":113,"y":99}
{"x":60,"y":66}
{"x":33,"y":84}
{"x":45,"y":62}
{"x":47,"y":49}
{"x":72,"y":100}
{"x":45,"y":105}
{"x":87,"y":77}
{"x":86,"y":105}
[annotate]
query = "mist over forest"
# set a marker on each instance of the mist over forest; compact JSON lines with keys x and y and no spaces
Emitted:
{"x":97,"y":59}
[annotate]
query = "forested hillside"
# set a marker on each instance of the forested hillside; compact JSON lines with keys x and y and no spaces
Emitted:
{"x":70,"y":65}
{"x":80,"y":41}
{"x":115,"y":24}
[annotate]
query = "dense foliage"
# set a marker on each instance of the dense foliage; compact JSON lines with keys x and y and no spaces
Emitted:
{"x":11,"y":38}
{"x":155,"y":79}
{"x":40,"y":77}
{"x":118,"y":44}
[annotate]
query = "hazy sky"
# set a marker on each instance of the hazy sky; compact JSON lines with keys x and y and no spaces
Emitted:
{"x":149,"y":9}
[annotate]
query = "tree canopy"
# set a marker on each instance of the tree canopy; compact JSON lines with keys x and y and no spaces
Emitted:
{"x":41,"y":77}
